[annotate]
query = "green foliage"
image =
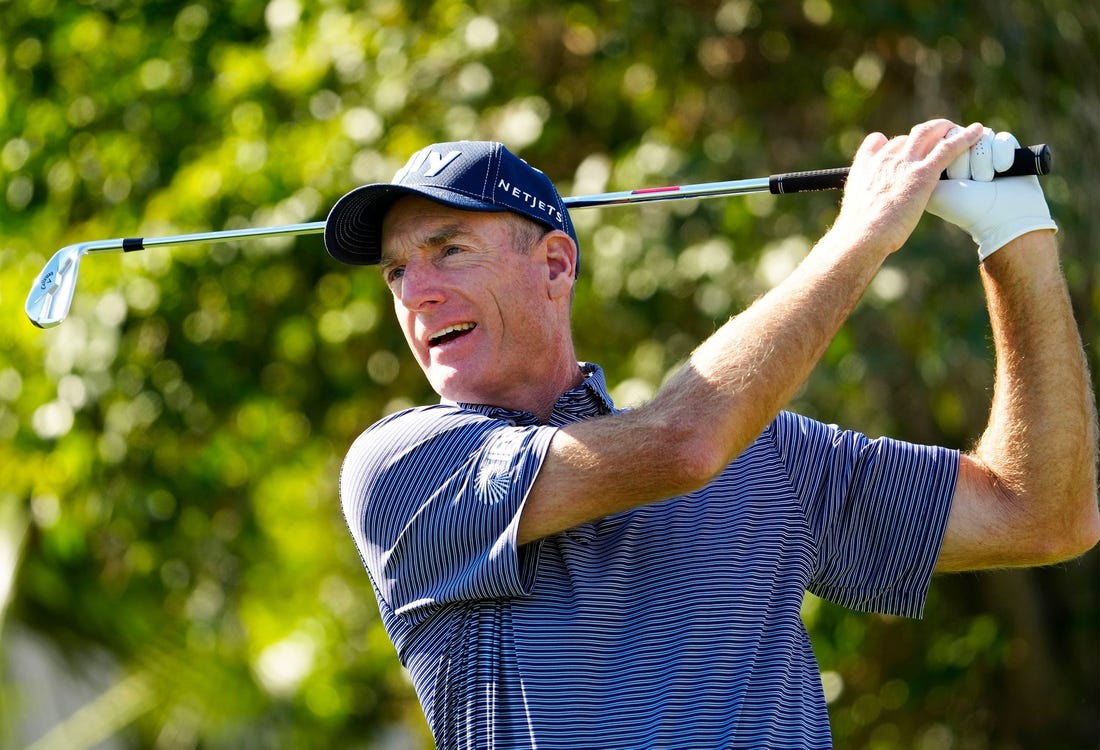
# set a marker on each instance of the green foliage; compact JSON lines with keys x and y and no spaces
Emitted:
{"x":169,"y":455}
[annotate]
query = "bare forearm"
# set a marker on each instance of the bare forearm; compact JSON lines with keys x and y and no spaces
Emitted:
{"x":738,"y":380}
{"x":713,"y":408}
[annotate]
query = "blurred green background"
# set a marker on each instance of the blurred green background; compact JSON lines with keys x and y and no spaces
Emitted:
{"x":174,"y":568}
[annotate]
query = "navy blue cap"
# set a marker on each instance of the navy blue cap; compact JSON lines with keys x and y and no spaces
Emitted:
{"x":467,"y":175}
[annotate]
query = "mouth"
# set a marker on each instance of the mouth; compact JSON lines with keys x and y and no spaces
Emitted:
{"x":450,"y":333}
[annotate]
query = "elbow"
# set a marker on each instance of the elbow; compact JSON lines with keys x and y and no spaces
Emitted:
{"x":1088,"y":529}
{"x":1085,"y":532}
{"x":698,"y":467}
{"x":697,"y":458}
{"x":1074,"y":534}
{"x":1055,"y":516}
{"x":689,"y":450}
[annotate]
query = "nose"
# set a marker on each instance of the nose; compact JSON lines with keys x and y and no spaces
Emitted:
{"x":421,"y":285}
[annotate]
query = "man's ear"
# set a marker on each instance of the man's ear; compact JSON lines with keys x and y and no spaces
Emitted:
{"x":561,"y":262}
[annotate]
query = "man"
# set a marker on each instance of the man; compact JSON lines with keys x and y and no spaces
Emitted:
{"x":558,"y":574}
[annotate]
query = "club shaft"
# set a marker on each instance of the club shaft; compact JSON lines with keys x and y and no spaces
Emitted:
{"x":131,"y":244}
{"x":646,"y":195}
{"x":671,"y":192}
{"x":1030,"y":160}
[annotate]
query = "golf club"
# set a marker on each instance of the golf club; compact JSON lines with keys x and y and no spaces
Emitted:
{"x":51,"y":295}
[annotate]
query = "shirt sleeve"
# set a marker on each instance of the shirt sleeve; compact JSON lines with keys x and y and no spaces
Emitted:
{"x":433,"y":497}
{"x":877,"y":508}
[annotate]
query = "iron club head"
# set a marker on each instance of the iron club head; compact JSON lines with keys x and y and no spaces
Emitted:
{"x":52,"y":293}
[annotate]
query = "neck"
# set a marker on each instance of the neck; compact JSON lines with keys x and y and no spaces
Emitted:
{"x":535,"y":396}
{"x":545,"y":402}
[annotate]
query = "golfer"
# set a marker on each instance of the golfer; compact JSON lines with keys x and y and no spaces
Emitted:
{"x":558,"y":573}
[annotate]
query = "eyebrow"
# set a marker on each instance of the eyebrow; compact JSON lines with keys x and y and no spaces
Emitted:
{"x":441,"y":236}
{"x":444,"y":235}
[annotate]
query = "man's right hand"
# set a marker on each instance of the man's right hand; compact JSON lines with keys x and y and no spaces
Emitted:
{"x":891,"y":180}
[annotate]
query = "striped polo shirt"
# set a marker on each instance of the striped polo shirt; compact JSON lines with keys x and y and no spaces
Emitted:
{"x":672,"y":625}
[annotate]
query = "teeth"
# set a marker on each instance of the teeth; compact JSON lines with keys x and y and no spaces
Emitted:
{"x":452,"y":329}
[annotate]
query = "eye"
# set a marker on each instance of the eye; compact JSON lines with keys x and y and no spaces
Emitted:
{"x":394,"y":274}
{"x":451,"y":250}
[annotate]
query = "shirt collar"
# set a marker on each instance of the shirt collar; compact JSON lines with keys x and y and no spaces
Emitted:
{"x":589,"y":399}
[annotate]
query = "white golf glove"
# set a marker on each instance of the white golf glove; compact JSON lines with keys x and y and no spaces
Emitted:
{"x":994,"y":212}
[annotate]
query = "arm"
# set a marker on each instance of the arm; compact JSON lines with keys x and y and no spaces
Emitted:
{"x":737,"y":381}
{"x":1027,"y":493}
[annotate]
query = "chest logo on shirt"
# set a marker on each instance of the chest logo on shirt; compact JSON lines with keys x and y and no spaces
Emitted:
{"x":494,"y":476}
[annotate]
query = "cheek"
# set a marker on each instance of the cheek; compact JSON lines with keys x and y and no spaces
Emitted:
{"x":531,"y":324}
{"x":527,"y":288}
{"x":520,"y":309}
{"x":406,"y":321}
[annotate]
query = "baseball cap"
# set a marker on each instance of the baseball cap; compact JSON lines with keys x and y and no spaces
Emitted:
{"x":467,"y":175}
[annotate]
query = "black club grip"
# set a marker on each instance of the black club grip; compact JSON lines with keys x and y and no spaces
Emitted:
{"x":1032,"y":160}
{"x":804,"y":182}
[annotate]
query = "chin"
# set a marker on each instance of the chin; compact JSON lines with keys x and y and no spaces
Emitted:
{"x":452,"y":388}
{"x":472,"y":383}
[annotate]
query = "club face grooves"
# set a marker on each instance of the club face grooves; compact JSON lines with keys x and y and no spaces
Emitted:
{"x":51,"y":296}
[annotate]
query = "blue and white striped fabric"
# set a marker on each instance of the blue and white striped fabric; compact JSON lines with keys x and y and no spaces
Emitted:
{"x":674,"y":625}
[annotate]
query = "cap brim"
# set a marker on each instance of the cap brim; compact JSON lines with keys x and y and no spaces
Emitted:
{"x":353,"y":229}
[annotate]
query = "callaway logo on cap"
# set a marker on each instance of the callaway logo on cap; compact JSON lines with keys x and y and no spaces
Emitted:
{"x":468,"y":175}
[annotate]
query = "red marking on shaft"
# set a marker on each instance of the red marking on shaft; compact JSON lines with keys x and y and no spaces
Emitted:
{"x":668,"y":189}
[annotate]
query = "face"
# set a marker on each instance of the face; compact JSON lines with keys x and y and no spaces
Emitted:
{"x":484,"y":319}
